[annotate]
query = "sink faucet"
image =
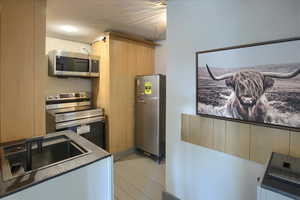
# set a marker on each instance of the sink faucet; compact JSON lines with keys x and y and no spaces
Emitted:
{"x":28,"y":142}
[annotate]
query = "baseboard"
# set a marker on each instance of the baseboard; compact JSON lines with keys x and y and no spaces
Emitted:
{"x":120,"y":155}
{"x":167,"y":196}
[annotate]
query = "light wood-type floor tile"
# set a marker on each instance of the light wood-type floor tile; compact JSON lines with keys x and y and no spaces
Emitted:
{"x":139,"y":178}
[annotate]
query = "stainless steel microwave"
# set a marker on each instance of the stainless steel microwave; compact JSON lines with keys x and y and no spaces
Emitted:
{"x":62,"y":63}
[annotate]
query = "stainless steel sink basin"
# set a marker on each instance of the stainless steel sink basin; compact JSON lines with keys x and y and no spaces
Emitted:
{"x":55,"y":150}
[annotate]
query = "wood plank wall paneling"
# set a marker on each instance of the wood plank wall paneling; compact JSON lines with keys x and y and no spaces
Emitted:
{"x":247,"y":141}
{"x":295,"y":144}
{"x":238,"y":139}
{"x":121,"y":60}
{"x":201,"y":131}
{"x":266,"y":140}
{"x":219,"y":135}
{"x":185,"y":127}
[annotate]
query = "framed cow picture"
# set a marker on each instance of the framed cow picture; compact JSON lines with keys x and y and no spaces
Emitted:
{"x":255,"y":83}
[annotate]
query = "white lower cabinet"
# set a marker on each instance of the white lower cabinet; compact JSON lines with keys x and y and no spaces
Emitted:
{"x":91,"y":182}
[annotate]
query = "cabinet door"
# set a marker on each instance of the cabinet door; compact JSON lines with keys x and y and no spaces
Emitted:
{"x":21,"y":66}
{"x":96,"y":134}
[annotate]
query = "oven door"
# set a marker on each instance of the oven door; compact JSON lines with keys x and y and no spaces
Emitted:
{"x":93,"y":129}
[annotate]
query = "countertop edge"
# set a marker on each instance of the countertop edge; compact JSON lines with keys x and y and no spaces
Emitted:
{"x":96,"y":148}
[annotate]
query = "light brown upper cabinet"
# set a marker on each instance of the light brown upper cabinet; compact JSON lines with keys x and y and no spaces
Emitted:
{"x":22,"y":68}
{"x":122,"y":58}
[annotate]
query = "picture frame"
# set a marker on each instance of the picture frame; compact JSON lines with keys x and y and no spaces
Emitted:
{"x":273,"y":57}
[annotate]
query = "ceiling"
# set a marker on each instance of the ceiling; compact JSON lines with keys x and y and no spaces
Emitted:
{"x":146,"y":18}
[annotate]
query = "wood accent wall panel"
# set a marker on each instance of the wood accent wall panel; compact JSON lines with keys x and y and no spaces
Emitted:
{"x":201,"y":131}
{"x":122,"y":59}
{"x":295,"y":144}
{"x":219,"y":135}
{"x":185,"y":127}
{"x":21,"y":65}
{"x":238,"y":139}
{"x":247,"y":141}
{"x":265,"y":140}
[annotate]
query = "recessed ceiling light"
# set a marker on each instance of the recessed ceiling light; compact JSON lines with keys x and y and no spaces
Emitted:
{"x":69,"y":28}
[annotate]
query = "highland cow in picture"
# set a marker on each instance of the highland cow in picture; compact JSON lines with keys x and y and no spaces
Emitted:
{"x":264,"y":93}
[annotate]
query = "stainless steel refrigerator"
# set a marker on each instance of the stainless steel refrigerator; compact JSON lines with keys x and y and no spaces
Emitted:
{"x":150,"y":114}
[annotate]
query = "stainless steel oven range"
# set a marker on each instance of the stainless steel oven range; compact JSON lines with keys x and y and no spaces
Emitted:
{"x":73,"y":111}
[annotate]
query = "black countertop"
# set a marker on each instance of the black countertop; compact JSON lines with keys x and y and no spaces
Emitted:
{"x":40,"y":175}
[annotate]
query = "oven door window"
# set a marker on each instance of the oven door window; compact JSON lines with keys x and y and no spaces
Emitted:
{"x":72,"y":64}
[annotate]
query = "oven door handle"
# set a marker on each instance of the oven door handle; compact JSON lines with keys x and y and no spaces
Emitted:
{"x":80,"y":122}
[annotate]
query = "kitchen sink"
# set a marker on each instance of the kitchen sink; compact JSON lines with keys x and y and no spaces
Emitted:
{"x":54,"y":151}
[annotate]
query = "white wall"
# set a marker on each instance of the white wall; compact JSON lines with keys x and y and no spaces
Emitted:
{"x":54,"y":85}
{"x":193,"y":172}
{"x":161,"y":57}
